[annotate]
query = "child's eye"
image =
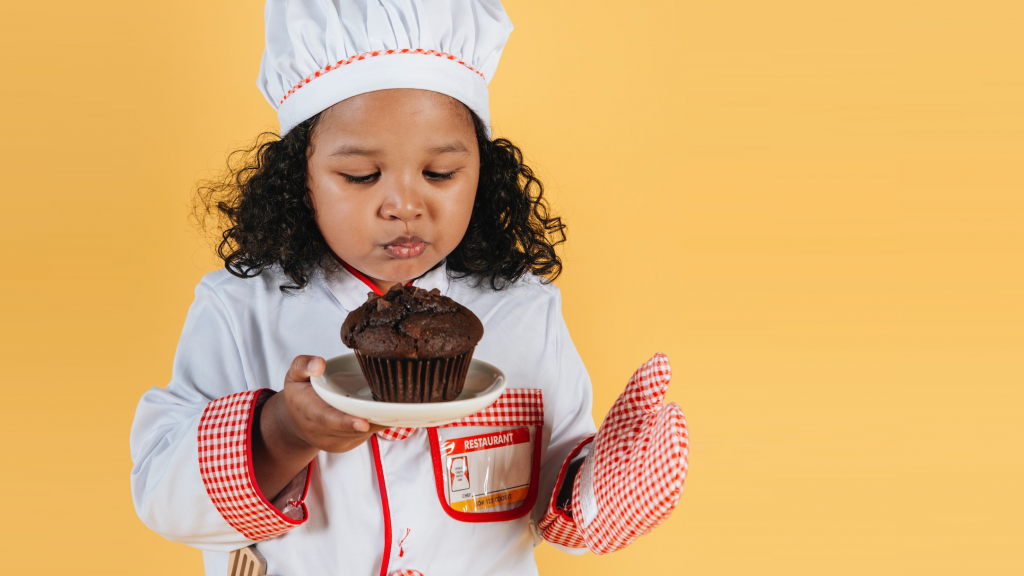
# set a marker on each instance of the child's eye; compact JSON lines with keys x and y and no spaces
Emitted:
{"x":439,"y":176}
{"x":361,"y":179}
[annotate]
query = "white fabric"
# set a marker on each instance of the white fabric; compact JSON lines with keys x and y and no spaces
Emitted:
{"x":243,"y":334}
{"x":304,"y":37}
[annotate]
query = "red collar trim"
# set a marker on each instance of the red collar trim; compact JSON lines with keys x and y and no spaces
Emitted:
{"x":363,"y":277}
{"x":360,"y":275}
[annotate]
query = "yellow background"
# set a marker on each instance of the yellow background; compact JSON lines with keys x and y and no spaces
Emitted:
{"x":814,"y":208}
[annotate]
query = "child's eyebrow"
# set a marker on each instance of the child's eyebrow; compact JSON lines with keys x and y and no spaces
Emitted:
{"x":353,"y":150}
{"x":350,"y":150}
{"x":448,"y":148}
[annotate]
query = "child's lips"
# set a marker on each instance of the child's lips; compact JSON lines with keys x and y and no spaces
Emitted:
{"x":406,"y":249}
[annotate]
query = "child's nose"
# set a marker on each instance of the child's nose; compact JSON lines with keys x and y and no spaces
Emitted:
{"x":402,"y":203}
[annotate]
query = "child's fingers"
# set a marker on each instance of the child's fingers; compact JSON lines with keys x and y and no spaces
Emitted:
{"x":345,"y":439}
{"x":337,"y":423}
{"x":304,"y":367}
{"x":349,"y":425}
{"x":328,"y":420}
{"x":343,"y":427}
{"x":318,"y":422}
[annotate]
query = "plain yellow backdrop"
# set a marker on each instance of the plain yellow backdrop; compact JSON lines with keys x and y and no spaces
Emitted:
{"x":815,"y":208}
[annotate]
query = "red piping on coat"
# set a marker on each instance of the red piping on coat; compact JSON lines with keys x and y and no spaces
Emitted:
{"x":384,"y":504}
{"x":363,"y":277}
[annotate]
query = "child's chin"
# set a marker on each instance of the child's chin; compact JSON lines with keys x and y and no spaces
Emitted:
{"x":401,"y":270}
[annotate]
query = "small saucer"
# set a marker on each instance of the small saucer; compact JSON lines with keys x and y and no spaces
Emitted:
{"x":343,"y":386}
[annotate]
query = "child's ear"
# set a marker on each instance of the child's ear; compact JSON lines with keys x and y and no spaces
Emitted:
{"x":308,"y":199}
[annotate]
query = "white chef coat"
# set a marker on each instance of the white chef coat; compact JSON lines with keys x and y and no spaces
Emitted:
{"x":242,"y":334}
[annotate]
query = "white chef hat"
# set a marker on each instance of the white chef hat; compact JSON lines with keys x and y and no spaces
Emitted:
{"x":320,"y":52}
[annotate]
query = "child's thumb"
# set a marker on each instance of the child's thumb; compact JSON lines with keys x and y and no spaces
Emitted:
{"x":305,"y":366}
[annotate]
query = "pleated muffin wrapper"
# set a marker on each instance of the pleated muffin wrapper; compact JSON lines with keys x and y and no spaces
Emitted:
{"x":415,"y":381}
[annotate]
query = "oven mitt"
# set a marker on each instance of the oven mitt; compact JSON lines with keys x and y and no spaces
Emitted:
{"x":633,"y":476}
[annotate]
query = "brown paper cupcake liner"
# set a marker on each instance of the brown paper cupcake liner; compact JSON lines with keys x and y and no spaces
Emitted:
{"x":415,"y":381}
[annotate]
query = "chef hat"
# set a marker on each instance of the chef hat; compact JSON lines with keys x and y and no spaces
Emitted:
{"x":320,"y":52}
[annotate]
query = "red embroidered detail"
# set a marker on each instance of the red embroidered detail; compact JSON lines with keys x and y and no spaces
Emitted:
{"x":365,"y":55}
{"x":401,"y":552}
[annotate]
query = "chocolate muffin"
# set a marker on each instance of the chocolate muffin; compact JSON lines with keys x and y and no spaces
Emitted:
{"x":413,"y":345}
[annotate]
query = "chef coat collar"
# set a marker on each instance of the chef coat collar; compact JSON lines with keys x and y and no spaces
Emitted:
{"x":351,"y":289}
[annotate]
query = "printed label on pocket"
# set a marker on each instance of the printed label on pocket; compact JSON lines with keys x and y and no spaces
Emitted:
{"x":488,"y":472}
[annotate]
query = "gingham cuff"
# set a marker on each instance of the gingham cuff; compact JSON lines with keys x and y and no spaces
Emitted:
{"x":558,"y":526}
{"x":225,"y":463}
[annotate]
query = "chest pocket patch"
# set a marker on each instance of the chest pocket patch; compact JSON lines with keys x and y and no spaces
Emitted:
{"x":486,"y":466}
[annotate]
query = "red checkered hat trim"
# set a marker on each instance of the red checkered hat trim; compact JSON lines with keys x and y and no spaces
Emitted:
{"x":406,"y":573}
{"x":515,"y":407}
{"x":372,"y":54}
{"x":225,"y":464}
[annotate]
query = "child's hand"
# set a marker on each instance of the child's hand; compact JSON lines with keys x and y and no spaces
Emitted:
{"x":311,"y":420}
{"x":295,"y":424}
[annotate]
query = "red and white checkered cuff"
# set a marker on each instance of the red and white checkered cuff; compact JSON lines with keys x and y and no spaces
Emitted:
{"x":225,"y":463}
{"x":557,"y":526}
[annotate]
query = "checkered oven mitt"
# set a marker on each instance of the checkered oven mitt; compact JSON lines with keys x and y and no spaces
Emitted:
{"x":633,"y":476}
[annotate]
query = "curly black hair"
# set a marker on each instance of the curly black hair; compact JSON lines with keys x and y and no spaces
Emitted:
{"x":264,"y":217}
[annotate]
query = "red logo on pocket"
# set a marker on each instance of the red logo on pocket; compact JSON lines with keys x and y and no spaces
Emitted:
{"x":487,"y":441}
{"x":458,"y":473}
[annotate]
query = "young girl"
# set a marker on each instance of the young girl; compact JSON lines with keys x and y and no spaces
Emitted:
{"x":385,"y":174}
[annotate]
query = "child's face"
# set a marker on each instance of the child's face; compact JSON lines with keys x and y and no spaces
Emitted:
{"x":404,"y":214}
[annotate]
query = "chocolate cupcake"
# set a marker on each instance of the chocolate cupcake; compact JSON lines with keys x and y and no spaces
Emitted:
{"x":413,"y":345}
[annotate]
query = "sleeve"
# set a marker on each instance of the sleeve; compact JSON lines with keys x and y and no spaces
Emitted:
{"x":572,"y":431}
{"x":192,"y":478}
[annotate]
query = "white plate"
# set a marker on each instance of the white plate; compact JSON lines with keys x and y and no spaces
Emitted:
{"x":342,"y":386}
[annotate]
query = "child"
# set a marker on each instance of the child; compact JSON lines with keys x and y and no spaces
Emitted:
{"x":385,"y":174}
